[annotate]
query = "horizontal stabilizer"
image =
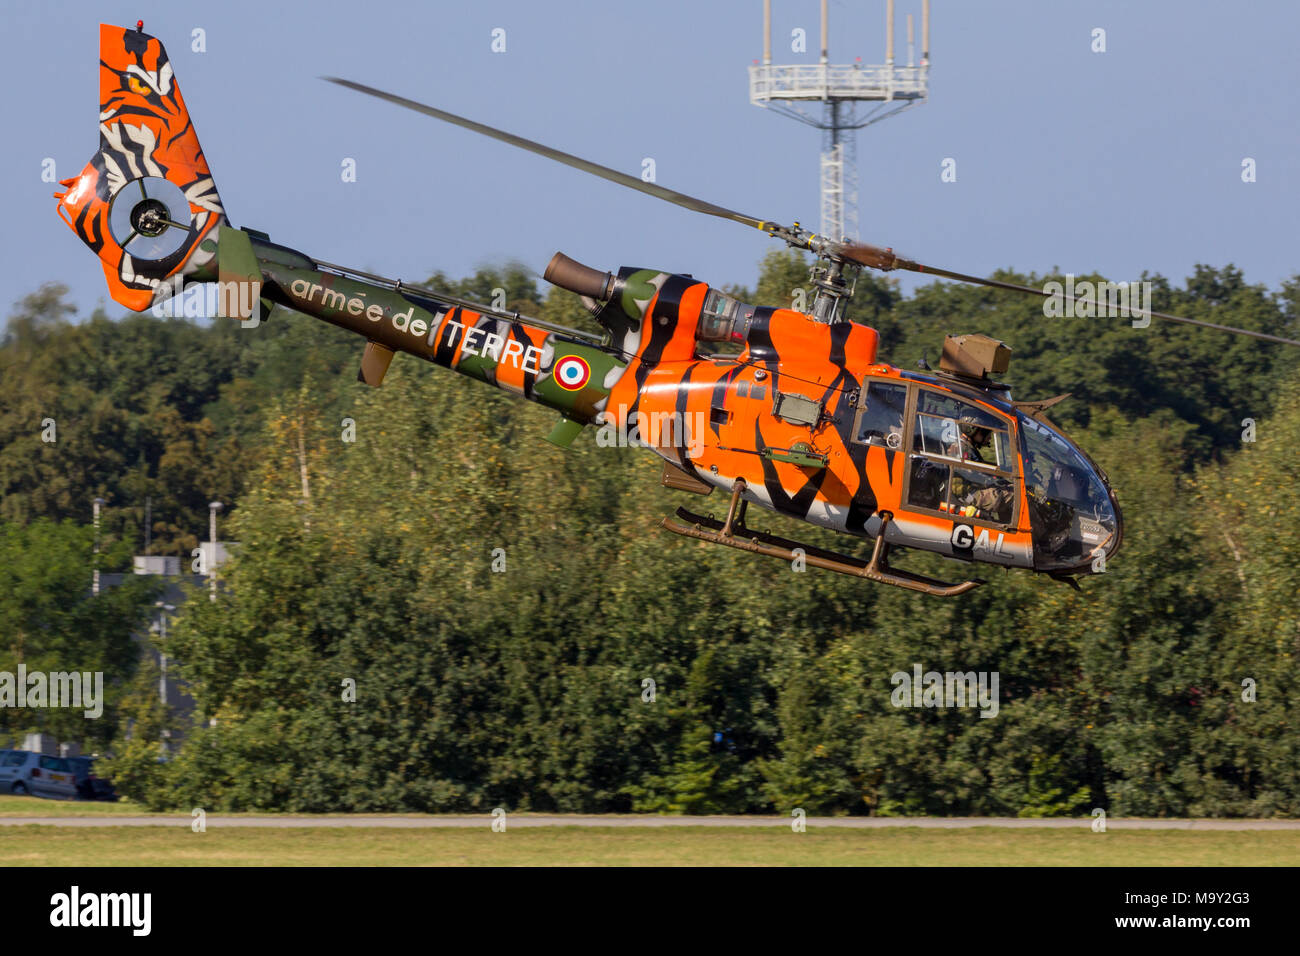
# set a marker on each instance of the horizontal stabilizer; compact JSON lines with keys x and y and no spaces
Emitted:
{"x":374,"y":363}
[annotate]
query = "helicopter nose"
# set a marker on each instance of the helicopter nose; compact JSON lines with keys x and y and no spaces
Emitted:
{"x":1111,"y":547}
{"x":1073,"y":511}
{"x":1088,"y":529}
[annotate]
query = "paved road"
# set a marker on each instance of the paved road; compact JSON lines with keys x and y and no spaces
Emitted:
{"x":517,"y":820}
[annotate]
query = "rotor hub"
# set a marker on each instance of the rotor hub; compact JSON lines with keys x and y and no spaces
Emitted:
{"x":149,"y":217}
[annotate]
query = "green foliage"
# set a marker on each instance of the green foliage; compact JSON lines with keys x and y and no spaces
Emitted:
{"x":370,"y":565}
{"x":50,"y":621}
{"x":781,"y":273}
{"x":143,"y":409}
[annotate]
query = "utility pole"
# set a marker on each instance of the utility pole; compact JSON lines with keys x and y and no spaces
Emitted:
{"x":94,"y":581}
{"x":163,"y":610}
{"x":213,"y":508}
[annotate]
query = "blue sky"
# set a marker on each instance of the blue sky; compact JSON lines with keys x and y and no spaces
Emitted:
{"x":1118,"y":162}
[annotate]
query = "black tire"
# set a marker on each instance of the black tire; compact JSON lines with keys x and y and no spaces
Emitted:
{"x":18,"y":788}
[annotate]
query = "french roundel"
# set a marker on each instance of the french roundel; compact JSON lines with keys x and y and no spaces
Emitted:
{"x":571,"y":373}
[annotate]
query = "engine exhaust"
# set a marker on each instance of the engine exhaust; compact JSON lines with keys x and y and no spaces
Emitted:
{"x":585,"y":281}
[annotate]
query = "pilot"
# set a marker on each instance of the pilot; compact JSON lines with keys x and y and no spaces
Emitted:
{"x":991,"y":501}
{"x":975,"y":440}
{"x":972,"y":438}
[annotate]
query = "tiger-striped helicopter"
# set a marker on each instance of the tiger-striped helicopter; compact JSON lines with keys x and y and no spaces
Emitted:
{"x":800,"y":416}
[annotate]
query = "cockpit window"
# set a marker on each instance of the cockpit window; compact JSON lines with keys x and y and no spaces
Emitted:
{"x":1070,"y":507}
{"x":947,"y":427}
{"x":962,"y":461}
{"x":880,"y":415}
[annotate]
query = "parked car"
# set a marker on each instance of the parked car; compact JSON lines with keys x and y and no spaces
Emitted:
{"x":89,"y":785}
{"x":22,"y":771}
{"x":83,"y":772}
{"x":103,"y":789}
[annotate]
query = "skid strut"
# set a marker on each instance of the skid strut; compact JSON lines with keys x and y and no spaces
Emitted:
{"x":734,"y":534}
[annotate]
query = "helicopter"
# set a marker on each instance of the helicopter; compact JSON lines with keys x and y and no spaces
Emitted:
{"x":788,"y":410}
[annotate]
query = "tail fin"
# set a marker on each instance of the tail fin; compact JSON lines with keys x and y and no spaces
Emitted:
{"x":146,"y":201}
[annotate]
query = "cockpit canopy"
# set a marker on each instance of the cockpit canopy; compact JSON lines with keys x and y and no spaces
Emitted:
{"x":1072,"y":512}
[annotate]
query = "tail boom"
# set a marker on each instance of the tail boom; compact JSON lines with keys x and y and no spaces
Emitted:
{"x":509,"y":353}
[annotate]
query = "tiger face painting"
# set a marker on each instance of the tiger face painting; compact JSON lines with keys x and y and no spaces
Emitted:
{"x":146,"y":200}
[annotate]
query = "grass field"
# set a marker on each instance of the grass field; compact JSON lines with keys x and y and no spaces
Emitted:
{"x":639,"y":846}
{"x":631,"y":846}
{"x":11,"y":806}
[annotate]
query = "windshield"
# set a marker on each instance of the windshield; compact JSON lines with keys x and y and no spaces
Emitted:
{"x":1071,"y":511}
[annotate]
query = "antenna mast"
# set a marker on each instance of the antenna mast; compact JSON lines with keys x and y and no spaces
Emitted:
{"x":838,"y":100}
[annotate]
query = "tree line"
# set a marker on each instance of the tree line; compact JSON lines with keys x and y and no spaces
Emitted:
{"x":438,"y":611}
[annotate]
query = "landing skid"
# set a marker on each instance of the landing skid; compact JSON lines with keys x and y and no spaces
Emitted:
{"x":734,"y":534}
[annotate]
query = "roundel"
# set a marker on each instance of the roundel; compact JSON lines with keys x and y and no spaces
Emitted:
{"x":571,"y":373}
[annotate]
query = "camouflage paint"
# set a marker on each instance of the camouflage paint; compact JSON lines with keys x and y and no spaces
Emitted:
{"x":512,"y":356}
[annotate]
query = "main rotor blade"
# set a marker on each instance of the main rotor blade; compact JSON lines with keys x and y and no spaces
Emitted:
{"x":884,"y":259}
{"x":568,"y":159}
{"x":872,"y":256}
